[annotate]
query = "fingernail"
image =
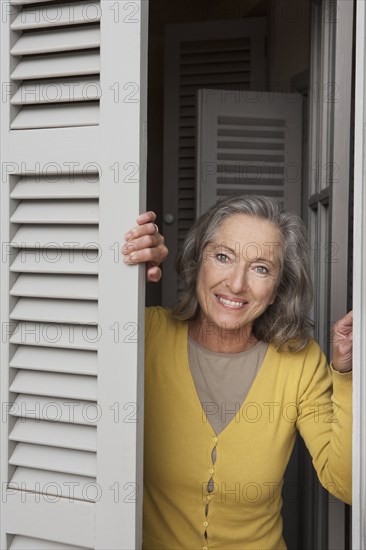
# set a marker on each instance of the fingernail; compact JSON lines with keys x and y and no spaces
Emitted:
{"x":127,"y":259}
{"x":127,"y":236}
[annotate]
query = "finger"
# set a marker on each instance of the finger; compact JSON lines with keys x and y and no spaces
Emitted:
{"x":140,"y":231}
{"x":153,"y":274}
{"x":344,"y":325}
{"x":146,"y":217}
{"x":347,"y":320}
{"x":155,"y":255}
{"x":147,"y":241}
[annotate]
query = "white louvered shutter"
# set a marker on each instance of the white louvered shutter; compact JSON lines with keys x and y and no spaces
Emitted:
{"x":219,"y":54}
{"x":72,"y":144}
{"x":249,"y":144}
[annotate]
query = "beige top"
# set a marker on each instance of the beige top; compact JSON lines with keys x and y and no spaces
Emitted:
{"x":223,"y":380}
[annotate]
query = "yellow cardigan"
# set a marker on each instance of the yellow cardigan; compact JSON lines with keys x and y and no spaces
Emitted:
{"x":291,"y":391}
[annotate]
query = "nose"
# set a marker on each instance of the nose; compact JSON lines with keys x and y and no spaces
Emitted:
{"x":237,"y":281}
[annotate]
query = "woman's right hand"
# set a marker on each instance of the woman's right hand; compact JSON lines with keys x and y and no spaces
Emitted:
{"x":144,"y":244}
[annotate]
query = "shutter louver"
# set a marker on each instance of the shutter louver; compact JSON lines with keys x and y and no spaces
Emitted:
{"x":56,"y":335}
{"x":63,"y":410}
{"x":53,"y":433}
{"x":53,"y":236}
{"x":68,"y":486}
{"x":57,"y":69}
{"x":60,"y":360}
{"x":55,"y":286}
{"x":54,"y":458}
{"x":28,"y":543}
{"x":41,"y":16}
{"x":54,"y":387}
{"x":33,"y":261}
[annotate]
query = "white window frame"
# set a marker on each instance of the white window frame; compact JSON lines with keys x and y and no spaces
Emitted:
{"x":328,"y":195}
{"x":359,"y":290}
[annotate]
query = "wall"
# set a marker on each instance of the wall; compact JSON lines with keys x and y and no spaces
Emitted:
{"x":289,"y":35}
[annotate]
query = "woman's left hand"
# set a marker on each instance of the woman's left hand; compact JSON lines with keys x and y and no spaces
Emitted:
{"x":342,"y":344}
{"x":144,"y":244}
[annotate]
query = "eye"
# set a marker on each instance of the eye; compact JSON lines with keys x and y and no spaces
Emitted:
{"x":262,"y":269}
{"x":222,"y":258}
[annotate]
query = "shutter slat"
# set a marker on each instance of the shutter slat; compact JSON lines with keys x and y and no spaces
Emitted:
{"x":57,"y":91}
{"x":215,"y":78}
{"x":57,"y":65}
{"x":56,"y":286}
{"x":251,"y":123}
{"x":58,"y":212}
{"x":70,"y":386}
{"x":248,"y":147}
{"x":215,"y":68}
{"x":57,"y":40}
{"x":244,"y":167}
{"x":56,"y":410}
{"x":224,"y":139}
{"x":250,"y":189}
{"x":254,"y":133}
{"x":62,"y":188}
{"x":249,"y":156}
{"x":264,"y":129}
{"x":215,"y":45}
{"x":27,"y":543}
{"x":56,"y":459}
{"x":48,"y":236}
{"x":226,"y":180}
{"x":277,"y":195}
{"x":53,"y":483}
{"x":56,"y":15}
{"x":56,"y":336}
{"x":55,"y":434}
{"x":26,"y":2}
{"x":55,"y":311}
{"x":56,"y":116}
{"x":217,"y":57}
{"x":56,"y":261}
{"x":58,"y":360}
{"x":241,"y":83}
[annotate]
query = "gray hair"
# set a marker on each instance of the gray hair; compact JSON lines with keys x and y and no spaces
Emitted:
{"x":284,"y":323}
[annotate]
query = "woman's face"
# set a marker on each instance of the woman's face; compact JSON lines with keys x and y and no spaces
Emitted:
{"x":239,"y":273}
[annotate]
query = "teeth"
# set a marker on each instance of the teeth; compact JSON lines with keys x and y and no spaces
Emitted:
{"x":230,"y":302}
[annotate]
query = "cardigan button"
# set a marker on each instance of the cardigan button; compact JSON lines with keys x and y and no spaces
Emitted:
{"x":204,"y":548}
{"x":211,"y":471}
{"x":214,"y":439}
{"x":205,"y":524}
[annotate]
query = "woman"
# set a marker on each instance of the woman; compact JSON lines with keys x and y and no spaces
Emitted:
{"x":231,"y":374}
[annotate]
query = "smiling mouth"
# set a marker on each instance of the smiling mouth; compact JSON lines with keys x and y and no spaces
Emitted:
{"x":234,"y":304}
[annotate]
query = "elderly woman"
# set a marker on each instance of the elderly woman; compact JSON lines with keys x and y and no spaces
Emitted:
{"x":231,"y":374}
